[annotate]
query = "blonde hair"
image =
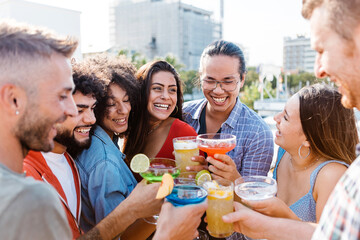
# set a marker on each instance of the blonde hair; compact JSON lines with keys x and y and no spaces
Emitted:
{"x":344,"y":16}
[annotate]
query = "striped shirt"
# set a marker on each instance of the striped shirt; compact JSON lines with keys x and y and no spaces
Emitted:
{"x":340,"y":218}
{"x":254,"y":141}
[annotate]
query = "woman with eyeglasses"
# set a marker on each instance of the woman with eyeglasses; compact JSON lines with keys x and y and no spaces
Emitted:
{"x":222,"y":74}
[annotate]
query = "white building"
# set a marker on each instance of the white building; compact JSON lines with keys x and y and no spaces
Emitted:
{"x":60,"y":20}
{"x":298,"y":55}
{"x":161,"y":27}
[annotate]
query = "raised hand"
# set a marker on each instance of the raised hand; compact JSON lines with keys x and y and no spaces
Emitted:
{"x":143,"y":197}
{"x":223,"y":167}
{"x":179,"y":223}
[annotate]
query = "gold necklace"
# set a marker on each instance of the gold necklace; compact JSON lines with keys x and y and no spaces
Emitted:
{"x":154,"y":128}
{"x":303,"y":169}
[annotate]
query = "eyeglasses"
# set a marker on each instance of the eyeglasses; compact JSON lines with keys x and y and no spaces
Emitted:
{"x":228,"y":85}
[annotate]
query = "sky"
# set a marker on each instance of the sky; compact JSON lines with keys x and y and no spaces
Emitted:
{"x":259,"y":25}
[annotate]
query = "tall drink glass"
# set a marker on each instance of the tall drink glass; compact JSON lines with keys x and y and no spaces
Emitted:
{"x":158,"y":167}
{"x":213,"y":143}
{"x":220,"y":202}
{"x":185,"y":148}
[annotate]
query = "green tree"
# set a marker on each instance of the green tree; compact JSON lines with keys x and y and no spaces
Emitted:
{"x":250,"y":94}
{"x":135,"y":57}
{"x":296,"y":80}
{"x":190,"y":80}
{"x":251,"y":77}
{"x":188,"y":77}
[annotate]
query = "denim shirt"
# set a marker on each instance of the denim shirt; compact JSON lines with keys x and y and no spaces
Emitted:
{"x":106,"y":180}
{"x":254,"y":140}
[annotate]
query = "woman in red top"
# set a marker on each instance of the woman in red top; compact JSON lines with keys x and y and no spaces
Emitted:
{"x":158,"y":118}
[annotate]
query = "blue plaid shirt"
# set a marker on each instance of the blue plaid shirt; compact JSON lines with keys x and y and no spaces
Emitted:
{"x":254,"y":140}
{"x":340,"y":218}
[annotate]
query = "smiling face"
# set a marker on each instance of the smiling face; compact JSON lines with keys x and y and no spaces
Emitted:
{"x":50,"y":105}
{"x":336,"y":58}
{"x":221,"y":68}
{"x":117,"y":112}
{"x":290,"y":134}
{"x":75,"y":131}
{"x":163,"y":96}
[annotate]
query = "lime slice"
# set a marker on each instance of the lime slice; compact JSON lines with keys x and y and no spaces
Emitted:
{"x":202,"y":176}
{"x":139,"y":163}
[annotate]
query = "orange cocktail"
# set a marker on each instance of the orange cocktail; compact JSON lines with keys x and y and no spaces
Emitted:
{"x":213,"y":143}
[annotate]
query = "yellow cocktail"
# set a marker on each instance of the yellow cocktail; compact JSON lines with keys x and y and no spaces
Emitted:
{"x":185,"y":148}
{"x":220,"y":202}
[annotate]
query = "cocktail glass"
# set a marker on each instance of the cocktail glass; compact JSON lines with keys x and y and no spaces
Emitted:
{"x":158,"y":167}
{"x":187,"y":192}
{"x":185,"y":148}
{"x":220,"y":202}
{"x":255,"y":187}
{"x":213,"y":143}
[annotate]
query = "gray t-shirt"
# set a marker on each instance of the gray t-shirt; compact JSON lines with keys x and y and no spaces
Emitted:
{"x":30,"y":209}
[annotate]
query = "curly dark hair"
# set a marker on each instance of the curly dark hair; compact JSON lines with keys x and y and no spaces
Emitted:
{"x":87,"y":81}
{"x":119,"y":71}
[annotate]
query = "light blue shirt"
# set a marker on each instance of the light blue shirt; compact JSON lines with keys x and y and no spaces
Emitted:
{"x":106,"y":180}
{"x":254,"y":140}
{"x":305,"y":207}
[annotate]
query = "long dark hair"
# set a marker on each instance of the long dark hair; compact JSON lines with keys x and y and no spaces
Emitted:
{"x":327,"y":124}
{"x":135,"y":142}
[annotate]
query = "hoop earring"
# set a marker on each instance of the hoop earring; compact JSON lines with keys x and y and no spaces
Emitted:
{"x":299,"y":152}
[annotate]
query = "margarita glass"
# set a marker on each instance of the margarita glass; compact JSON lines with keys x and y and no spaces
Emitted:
{"x":213,"y":143}
{"x":220,"y":202}
{"x":158,"y":167}
{"x":185,"y":148}
{"x":255,"y":188}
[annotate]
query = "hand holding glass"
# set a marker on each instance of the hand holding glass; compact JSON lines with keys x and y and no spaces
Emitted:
{"x":158,"y":167}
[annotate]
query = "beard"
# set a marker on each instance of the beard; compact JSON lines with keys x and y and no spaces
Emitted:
{"x":67,"y":138}
{"x":33,"y":130}
{"x":348,"y":99}
{"x":74,"y":147}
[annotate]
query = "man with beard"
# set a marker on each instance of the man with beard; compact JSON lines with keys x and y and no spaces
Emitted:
{"x":57,"y":167}
{"x":335,"y":35}
{"x":35,"y":95}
